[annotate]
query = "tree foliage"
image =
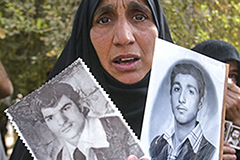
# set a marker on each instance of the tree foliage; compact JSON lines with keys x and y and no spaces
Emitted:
{"x":193,"y":21}
{"x":34,"y":32}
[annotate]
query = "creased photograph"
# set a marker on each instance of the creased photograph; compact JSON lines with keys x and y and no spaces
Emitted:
{"x":71,"y":117}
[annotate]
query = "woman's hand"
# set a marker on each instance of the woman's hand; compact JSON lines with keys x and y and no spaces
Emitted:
{"x":228,"y":152}
{"x":132,"y":157}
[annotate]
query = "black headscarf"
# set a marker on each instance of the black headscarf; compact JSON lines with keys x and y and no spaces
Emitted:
{"x":129,"y":98}
{"x":79,"y":44}
{"x":219,"y":50}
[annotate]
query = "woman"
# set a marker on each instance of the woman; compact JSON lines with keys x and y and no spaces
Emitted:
{"x":227,"y":53}
{"x":116,"y":40}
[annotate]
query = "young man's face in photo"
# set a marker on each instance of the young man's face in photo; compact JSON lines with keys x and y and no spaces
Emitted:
{"x":65,"y":120}
{"x":235,"y":134}
{"x":185,"y":98}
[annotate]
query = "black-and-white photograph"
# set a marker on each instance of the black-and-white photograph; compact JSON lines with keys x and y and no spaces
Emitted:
{"x":184,"y":108}
{"x":71,"y":116}
{"x":227,"y":126}
{"x":233,"y":136}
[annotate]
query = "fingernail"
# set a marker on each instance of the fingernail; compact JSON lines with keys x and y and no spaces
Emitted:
{"x":233,"y":151}
{"x":234,"y":156}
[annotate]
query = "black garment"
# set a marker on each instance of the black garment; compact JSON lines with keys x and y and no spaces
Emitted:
{"x":159,"y":150}
{"x":130,"y":99}
{"x":238,"y":154}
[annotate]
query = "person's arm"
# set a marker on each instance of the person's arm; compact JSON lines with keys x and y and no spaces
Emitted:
{"x":233,"y":104}
{"x":6,"y":87}
{"x":232,"y":114}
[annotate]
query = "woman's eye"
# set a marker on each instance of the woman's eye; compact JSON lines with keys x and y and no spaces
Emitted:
{"x":140,"y":17}
{"x":104,"y":20}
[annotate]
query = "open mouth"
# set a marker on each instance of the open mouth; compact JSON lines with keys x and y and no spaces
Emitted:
{"x":126,"y":60}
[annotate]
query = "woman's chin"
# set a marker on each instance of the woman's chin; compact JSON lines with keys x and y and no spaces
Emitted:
{"x":129,"y":78}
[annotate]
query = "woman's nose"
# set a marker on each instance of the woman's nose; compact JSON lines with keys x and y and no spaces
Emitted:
{"x":124,"y":34}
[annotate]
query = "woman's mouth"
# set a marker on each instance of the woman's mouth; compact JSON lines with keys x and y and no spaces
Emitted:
{"x":126,"y":63}
{"x":125,"y":60}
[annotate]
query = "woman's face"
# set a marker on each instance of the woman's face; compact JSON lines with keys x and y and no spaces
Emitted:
{"x":123,"y":34}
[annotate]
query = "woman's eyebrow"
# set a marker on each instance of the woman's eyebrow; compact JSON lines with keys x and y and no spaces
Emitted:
{"x":104,"y":8}
{"x":130,"y":5}
{"x":139,"y":6}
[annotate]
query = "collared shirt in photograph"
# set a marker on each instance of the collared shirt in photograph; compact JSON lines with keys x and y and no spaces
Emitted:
{"x":194,"y":137}
{"x":93,"y":136}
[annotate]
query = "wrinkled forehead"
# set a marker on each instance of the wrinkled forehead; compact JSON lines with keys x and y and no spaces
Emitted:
{"x":114,"y":4}
{"x":123,"y":2}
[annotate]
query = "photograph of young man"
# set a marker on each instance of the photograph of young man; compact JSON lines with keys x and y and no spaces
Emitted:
{"x":63,"y":113}
{"x":185,"y":139}
{"x":82,"y":136}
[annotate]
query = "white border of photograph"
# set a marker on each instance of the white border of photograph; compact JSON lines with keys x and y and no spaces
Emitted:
{"x":158,"y":115}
